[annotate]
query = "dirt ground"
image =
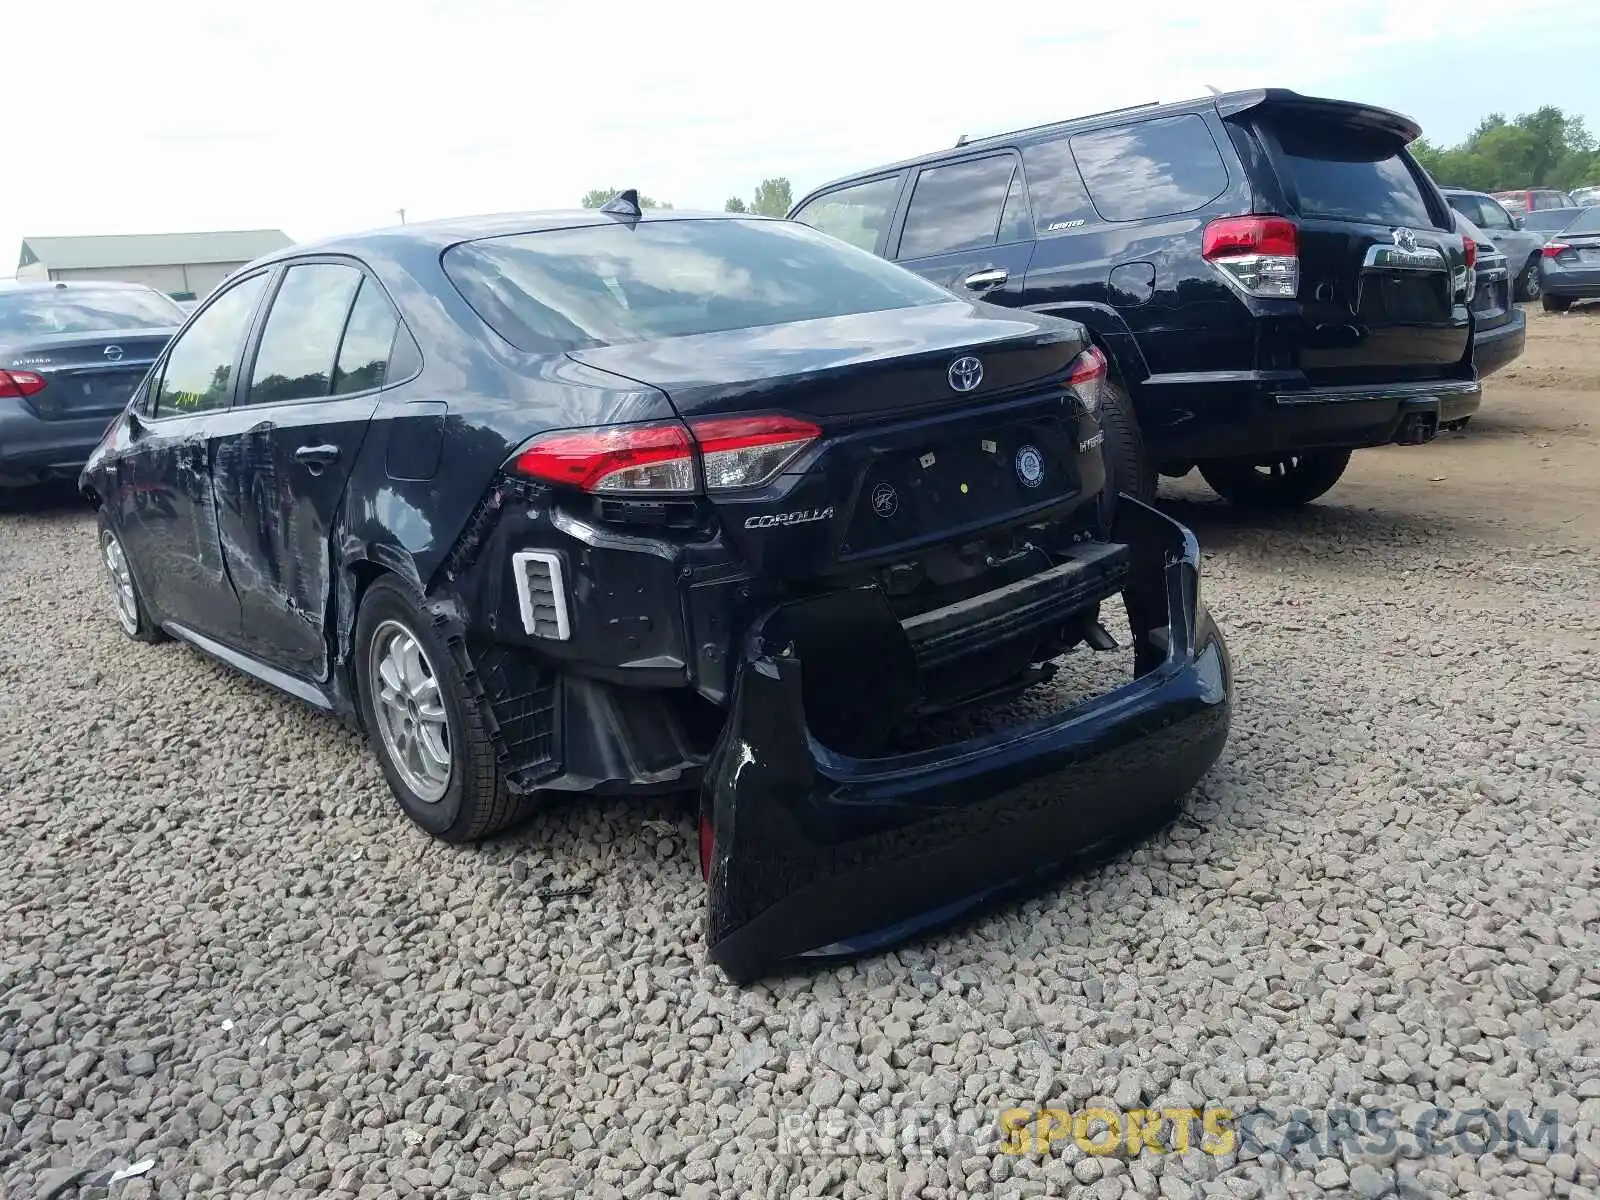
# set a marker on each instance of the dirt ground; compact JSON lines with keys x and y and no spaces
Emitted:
{"x":1525,"y":473}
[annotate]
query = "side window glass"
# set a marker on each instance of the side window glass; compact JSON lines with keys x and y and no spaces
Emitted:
{"x":1495,"y":217}
{"x":956,"y":207}
{"x":301,"y":337}
{"x":1059,"y":200}
{"x":368,"y":341}
{"x":857,"y":214}
{"x":1014,"y":223}
{"x":198,"y":373}
{"x":1155,"y":169}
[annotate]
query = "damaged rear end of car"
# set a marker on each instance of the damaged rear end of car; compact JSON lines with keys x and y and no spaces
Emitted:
{"x":828,"y":523}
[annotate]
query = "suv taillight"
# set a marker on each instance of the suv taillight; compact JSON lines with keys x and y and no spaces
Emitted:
{"x":660,"y":459}
{"x":21,"y":384}
{"x":1470,"y":245}
{"x":1258,"y":255}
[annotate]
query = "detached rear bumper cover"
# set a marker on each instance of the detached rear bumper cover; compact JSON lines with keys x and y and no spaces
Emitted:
{"x":815,"y":854}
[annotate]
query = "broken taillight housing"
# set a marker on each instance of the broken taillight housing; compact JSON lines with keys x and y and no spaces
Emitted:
{"x":1258,"y":255}
{"x":668,"y":458}
{"x":21,"y":384}
{"x":1085,"y":374}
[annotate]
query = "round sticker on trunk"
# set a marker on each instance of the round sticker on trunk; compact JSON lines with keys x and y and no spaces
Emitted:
{"x":1030,"y":466}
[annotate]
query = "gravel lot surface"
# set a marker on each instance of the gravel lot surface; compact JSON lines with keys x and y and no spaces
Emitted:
{"x":222,"y":948}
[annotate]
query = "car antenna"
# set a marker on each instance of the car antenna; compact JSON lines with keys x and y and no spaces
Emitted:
{"x":962,"y":140}
{"x":624,"y":204}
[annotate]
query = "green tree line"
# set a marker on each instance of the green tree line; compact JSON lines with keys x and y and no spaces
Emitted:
{"x":1545,"y":148}
{"x":773,"y":198}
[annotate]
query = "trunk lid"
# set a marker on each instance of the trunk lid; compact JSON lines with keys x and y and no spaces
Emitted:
{"x":904,"y":460}
{"x":849,"y":370}
{"x":85,"y":374}
{"x":1383,"y":271}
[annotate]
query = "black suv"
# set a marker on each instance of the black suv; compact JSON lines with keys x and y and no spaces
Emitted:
{"x":1273,"y":277}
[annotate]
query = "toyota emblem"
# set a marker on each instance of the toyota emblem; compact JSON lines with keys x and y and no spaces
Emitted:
{"x":113,"y":353}
{"x":1406,"y":240}
{"x":966,"y":374}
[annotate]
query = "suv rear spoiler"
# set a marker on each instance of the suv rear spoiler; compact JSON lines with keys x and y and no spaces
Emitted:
{"x":1344,"y":112}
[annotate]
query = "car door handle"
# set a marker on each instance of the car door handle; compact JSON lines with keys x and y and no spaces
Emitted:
{"x":981,"y":280}
{"x":316,"y":458}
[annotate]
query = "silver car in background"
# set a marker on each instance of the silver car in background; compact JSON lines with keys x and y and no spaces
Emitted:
{"x":1507,"y":233}
{"x":1572,"y":263}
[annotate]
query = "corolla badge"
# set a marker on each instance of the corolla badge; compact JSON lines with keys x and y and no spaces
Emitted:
{"x":1030,"y":466}
{"x":966,"y":374}
{"x":114,"y":353}
{"x":885,"y":500}
{"x":1406,"y":240}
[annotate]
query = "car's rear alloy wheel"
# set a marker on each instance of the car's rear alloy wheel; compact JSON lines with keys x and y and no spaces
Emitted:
{"x":126,"y":604}
{"x":410,"y":711}
{"x":425,"y":722}
{"x":1532,"y":281}
{"x":1284,"y":482}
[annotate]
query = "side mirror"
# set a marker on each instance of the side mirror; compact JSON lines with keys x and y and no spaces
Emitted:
{"x":1516,"y":222}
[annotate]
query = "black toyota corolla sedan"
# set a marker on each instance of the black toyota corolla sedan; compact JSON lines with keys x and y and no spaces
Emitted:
{"x":629,"y":502}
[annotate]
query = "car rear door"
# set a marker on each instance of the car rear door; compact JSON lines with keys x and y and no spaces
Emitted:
{"x":967,"y":227}
{"x":162,"y":500}
{"x":1383,"y":270}
{"x":310,"y":385}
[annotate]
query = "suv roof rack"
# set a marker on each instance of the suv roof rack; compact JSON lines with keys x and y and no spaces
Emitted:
{"x":964,"y":140}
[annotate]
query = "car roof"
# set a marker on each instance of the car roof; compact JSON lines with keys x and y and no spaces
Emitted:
{"x":1227,"y":104}
{"x":440,"y":235}
{"x":99,"y":285}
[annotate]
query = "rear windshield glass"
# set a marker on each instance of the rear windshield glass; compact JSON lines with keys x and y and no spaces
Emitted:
{"x":1351,"y":175}
{"x":1588,"y":221}
{"x":569,"y":289}
{"x":84,"y":310}
{"x":1549,"y":220}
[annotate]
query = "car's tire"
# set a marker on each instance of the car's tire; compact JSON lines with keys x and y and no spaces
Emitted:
{"x":1128,"y":467}
{"x":127,"y":601}
{"x":423,"y":721}
{"x":1285,"y":482}
{"x":1530,"y":284}
{"x":1556,"y":303}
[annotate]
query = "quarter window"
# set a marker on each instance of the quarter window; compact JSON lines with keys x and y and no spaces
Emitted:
{"x":957,"y":207}
{"x":301,"y":338}
{"x":198,"y":374}
{"x":1155,"y":169}
{"x":368,"y":341}
{"x":1060,"y":202}
{"x":858,"y":214}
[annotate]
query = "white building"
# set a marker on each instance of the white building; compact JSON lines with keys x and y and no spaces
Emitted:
{"x":185,"y":265}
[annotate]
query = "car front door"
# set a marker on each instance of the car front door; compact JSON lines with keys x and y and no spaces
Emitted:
{"x":286,"y":449}
{"x":967,"y":227}
{"x":163,"y":502}
{"x":1518,"y":246}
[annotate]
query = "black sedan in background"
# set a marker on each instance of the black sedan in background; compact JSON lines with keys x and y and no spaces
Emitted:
{"x":70,"y":356}
{"x":1571,"y":262}
{"x":627,"y":502}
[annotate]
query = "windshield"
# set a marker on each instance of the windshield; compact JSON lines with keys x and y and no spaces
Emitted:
{"x":1588,"y":221}
{"x":85,"y":310}
{"x":569,"y":289}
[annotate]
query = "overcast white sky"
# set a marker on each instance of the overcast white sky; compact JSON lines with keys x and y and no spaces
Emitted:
{"x":318,"y":116}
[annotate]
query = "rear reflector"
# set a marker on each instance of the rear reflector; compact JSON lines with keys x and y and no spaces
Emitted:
{"x":1258,"y":255}
{"x":741,"y":452}
{"x":17,"y":384}
{"x":654,"y":459}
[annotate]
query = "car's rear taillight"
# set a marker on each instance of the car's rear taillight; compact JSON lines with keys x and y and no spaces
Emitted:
{"x":741,"y":452}
{"x":1555,"y":249}
{"x":1469,"y":245}
{"x":21,"y":384}
{"x":1088,"y":367}
{"x":1258,"y":255}
{"x":626,"y":459}
{"x":660,"y":459}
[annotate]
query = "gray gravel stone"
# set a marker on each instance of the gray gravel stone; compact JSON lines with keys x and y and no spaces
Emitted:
{"x":1383,"y":894}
